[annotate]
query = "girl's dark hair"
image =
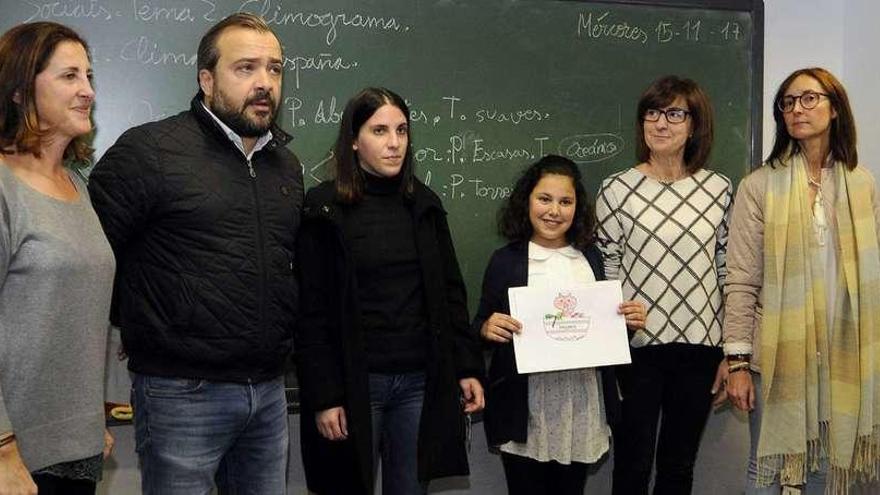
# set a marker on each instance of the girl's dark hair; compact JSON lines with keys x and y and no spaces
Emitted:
{"x":349,"y":176}
{"x":663,"y":92}
{"x":843,"y":127}
{"x":25,"y":51}
{"x":513,"y":218}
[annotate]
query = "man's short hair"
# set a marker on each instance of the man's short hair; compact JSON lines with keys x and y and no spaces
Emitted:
{"x":209,"y":54}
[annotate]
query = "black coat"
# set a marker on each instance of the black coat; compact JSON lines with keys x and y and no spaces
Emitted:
{"x":204,"y":243}
{"x":331,"y":357}
{"x":507,"y":394}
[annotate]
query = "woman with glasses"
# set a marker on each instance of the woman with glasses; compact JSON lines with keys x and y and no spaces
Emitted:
{"x":663,"y":234}
{"x":802,"y":325}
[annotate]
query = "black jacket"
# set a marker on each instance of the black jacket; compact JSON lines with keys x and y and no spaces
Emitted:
{"x":332,"y":362}
{"x":507,"y":394}
{"x":205,"y":286}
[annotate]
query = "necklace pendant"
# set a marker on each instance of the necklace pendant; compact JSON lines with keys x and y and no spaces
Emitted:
{"x":820,"y":223}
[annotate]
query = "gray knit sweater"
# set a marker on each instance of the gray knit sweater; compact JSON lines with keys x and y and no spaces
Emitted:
{"x":56,"y":276}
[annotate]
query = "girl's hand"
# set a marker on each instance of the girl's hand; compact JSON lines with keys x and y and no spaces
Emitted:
{"x":500,"y":328}
{"x":634,"y":313}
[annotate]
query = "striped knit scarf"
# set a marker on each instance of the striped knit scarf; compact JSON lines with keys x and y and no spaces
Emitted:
{"x":820,"y":389}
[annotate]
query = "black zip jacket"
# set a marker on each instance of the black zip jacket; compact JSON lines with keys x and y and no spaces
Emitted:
{"x":204,"y":242}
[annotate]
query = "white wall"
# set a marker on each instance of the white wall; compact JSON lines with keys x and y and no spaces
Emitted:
{"x":840,"y":35}
{"x":861,"y":74}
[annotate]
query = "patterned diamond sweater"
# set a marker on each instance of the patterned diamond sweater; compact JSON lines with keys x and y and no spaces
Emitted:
{"x":667,"y":243}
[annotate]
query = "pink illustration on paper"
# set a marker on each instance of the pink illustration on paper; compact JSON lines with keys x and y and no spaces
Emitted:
{"x":566,"y":324}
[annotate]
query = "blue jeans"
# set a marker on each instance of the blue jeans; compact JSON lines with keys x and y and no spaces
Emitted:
{"x":815,"y":479}
{"x":396,"y":406}
{"x":191,"y":434}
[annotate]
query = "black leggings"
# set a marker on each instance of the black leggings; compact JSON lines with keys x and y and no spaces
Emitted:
{"x":677,"y":380}
{"x":530,"y":477}
{"x":53,"y":485}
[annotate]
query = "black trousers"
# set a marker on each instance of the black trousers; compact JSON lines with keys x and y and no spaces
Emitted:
{"x":53,"y":485}
{"x":530,"y":477}
{"x":675,"y":379}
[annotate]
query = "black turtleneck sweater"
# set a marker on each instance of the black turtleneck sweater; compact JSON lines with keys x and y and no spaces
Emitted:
{"x":380,"y":233}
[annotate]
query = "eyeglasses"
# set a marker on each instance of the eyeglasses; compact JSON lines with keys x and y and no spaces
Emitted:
{"x":808,"y":99}
{"x":673,"y":115}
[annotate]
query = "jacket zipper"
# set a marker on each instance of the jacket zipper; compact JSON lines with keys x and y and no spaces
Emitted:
{"x":261,"y":247}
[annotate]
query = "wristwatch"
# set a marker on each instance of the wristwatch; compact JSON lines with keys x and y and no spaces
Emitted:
{"x":739,"y":358}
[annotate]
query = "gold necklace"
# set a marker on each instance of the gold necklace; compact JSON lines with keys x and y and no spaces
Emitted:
{"x":664,"y":179}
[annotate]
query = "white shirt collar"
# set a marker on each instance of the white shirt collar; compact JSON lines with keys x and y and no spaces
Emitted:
{"x":540,"y":253}
{"x":236,"y":139}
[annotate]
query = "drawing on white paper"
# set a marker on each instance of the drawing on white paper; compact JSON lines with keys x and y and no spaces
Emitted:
{"x":567,"y":324}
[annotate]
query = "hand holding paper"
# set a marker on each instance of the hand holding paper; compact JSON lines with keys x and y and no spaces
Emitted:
{"x":572,"y":327}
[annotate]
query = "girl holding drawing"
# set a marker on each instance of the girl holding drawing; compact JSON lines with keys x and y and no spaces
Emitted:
{"x":547,"y":426}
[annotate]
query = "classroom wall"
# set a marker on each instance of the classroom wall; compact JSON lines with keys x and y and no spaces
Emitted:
{"x":861,"y":74}
{"x":842,"y":37}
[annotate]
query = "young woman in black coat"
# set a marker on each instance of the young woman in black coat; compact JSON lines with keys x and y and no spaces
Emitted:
{"x":387,"y":362}
{"x":547,"y":426}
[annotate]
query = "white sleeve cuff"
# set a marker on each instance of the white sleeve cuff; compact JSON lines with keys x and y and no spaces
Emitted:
{"x":737,"y":348}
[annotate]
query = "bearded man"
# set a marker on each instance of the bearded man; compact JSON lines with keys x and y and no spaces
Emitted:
{"x":202,"y":211}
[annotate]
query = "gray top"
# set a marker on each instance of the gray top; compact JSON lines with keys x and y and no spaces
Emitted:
{"x":56,"y":276}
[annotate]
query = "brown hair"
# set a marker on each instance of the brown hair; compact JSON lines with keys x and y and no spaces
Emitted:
{"x":358,"y":110}
{"x":843,"y":127}
{"x":661,"y":93}
{"x":25,"y":51}
{"x":208,"y":54}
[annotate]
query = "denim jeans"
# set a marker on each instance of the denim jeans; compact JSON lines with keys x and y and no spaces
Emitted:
{"x":191,"y":434}
{"x":396,"y":405}
{"x":815,"y":480}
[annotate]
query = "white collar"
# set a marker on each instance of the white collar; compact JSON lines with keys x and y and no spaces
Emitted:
{"x":236,"y":139}
{"x":540,"y":253}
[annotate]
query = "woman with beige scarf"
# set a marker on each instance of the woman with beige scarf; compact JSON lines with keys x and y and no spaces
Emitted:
{"x":802,"y":317}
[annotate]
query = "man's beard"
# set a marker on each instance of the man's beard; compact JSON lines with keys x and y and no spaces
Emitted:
{"x":237,"y":120}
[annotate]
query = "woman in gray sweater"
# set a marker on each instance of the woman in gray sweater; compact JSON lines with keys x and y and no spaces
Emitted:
{"x":56,"y":269}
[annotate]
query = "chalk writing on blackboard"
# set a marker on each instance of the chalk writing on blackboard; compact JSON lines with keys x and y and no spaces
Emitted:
{"x":590,"y":148}
{"x":317,"y":63}
{"x":93,"y":9}
{"x":460,"y":187}
{"x":148,"y":52}
{"x":202,"y":10}
{"x":603,"y":26}
{"x":274,"y":13}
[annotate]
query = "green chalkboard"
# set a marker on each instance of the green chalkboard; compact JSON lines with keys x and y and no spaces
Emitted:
{"x":493,"y":84}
